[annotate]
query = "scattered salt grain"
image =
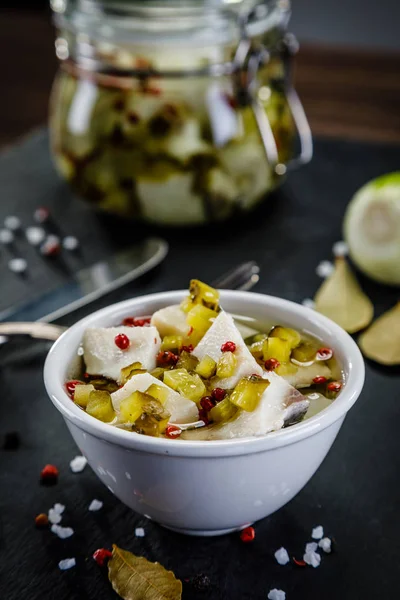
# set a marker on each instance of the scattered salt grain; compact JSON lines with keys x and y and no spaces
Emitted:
{"x":54,"y":516}
{"x":282,"y":556}
{"x":66,"y":563}
{"x":324,"y":269}
{"x":340,"y":248}
{"x":276,"y":595}
{"x":70,"y":243}
{"x":312,"y":558}
{"x":59,"y":508}
{"x":95,"y":505}
{"x":139,"y":532}
{"x":6,"y":236}
{"x":35,"y":235}
{"x":12,"y":223}
{"x":62,"y":532}
{"x":77,"y":464}
{"x":81,"y":351}
{"x":311,"y":547}
{"x":308,"y":302}
{"x":317,"y":533}
{"x":325,"y":544}
{"x":17,"y":265}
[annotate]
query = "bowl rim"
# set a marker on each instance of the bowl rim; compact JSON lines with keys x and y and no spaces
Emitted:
{"x":64,"y":349}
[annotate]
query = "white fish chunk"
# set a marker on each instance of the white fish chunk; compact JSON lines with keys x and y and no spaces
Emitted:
{"x":224,"y":330}
{"x":103,"y":357}
{"x":280,"y":405}
{"x":181,"y":409}
{"x":304,"y":375}
{"x":170,"y":320}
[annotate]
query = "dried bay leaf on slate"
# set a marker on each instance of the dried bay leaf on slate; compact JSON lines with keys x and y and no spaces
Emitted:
{"x":341,"y":299}
{"x":381,"y":341}
{"x":135,"y":578}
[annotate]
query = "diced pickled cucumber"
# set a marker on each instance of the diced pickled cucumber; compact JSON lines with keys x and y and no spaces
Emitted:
{"x":158,"y":392}
{"x":133,"y":369}
{"x":158,"y":372}
{"x":199,"y":318}
{"x":131,"y":408}
{"x":274,"y":347}
{"x":201,"y":293}
{"x":226,"y":365}
{"x":248,"y":392}
{"x":147,"y":425}
{"x":223,"y":411}
{"x":101,"y":383}
{"x":100,"y":406}
{"x":173,"y":343}
{"x":286,"y":334}
{"x":305,"y":352}
{"x":206,"y":367}
{"x":82,"y":393}
{"x":187,"y":361}
{"x":153,"y":407}
{"x":190,"y":386}
{"x":286,"y":369}
{"x":257,"y":337}
{"x":257,"y":349}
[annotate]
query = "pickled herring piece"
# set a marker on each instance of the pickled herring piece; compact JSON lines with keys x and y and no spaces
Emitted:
{"x":226,"y":365}
{"x":206,"y":367}
{"x":274,"y":347}
{"x":280,"y":405}
{"x":248,"y":392}
{"x":170,"y":320}
{"x":341,"y":299}
{"x":100,"y":406}
{"x":286,"y":333}
{"x":103,"y":357}
{"x":82,"y":393}
{"x":223,"y":411}
{"x":222,"y":330}
{"x":181,"y":409}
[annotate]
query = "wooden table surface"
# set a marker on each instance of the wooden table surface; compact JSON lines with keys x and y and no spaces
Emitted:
{"x":346,"y":93}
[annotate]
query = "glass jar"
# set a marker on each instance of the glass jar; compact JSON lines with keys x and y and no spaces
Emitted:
{"x":175,"y":112}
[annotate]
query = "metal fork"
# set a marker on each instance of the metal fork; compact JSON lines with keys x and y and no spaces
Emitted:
{"x":243,"y":277}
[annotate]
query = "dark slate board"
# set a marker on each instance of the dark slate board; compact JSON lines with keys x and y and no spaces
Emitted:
{"x":355,"y":493}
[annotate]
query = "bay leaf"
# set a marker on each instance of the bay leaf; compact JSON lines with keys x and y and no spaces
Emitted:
{"x":381,"y":341}
{"x":136,"y":578}
{"x":341,"y":298}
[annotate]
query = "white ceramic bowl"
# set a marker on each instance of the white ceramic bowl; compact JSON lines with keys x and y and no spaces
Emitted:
{"x":207,"y":488}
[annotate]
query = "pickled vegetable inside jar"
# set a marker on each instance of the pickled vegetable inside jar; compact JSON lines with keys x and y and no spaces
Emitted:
{"x":175,"y":113}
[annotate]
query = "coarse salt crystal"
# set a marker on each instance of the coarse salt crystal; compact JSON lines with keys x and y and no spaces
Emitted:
{"x":317,"y":533}
{"x":311,"y":547}
{"x":12,"y":223}
{"x":324,"y":269}
{"x":308,"y":302}
{"x":95,"y":505}
{"x":282,"y":556}
{"x":54,"y":516}
{"x":62,"y":532}
{"x":35,"y":235}
{"x":77,"y":464}
{"x":6,"y":236}
{"x":66,"y":563}
{"x":276,"y":595}
{"x":17,"y":265}
{"x":59,"y":508}
{"x":325,"y":544}
{"x":70,"y":243}
{"x":312,"y":558}
{"x":340,"y":248}
{"x":139,"y":532}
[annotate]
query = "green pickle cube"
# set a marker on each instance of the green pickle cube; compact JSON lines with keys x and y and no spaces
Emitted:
{"x":131,"y":408}
{"x":288,"y":335}
{"x":82,"y":393}
{"x":247,"y":394}
{"x":187,"y":361}
{"x":190,"y":386}
{"x":100,"y":406}
{"x":274,"y":347}
{"x":172,"y":343}
{"x":223,"y":411}
{"x":158,"y":392}
{"x":226,"y":365}
{"x":305,"y":352}
{"x":131,"y":370}
{"x":203,"y":294}
{"x":199,"y":318}
{"x":206,"y":367}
